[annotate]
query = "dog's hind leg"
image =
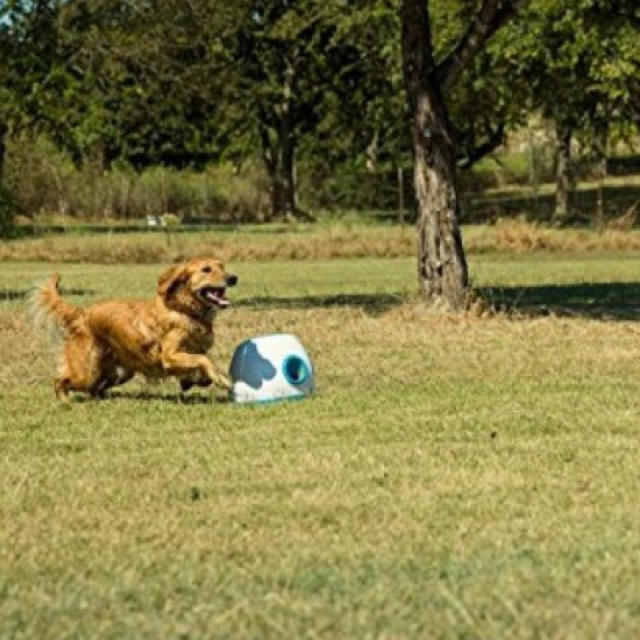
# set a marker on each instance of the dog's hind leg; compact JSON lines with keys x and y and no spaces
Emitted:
{"x":81,"y":367}
{"x":61,"y":387}
{"x":111,"y":373}
{"x":113,"y":378}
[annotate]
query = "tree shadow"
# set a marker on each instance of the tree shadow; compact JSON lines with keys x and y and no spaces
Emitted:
{"x":597,"y":301}
{"x":371,"y":303}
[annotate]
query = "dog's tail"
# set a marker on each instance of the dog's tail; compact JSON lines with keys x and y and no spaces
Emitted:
{"x":47,"y":304}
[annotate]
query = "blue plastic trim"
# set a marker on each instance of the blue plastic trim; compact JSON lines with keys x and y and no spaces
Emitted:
{"x":298,"y":396}
{"x":304,"y":368}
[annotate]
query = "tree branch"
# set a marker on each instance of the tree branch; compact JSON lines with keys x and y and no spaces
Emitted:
{"x":494,"y":140}
{"x":492,"y":15}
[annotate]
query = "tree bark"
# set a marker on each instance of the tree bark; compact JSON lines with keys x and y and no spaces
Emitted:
{"x":442,"y":265}
{"x":3,"y":149}
{"x":564,"y":182}
{"x":279,"y":157}
{"x":279,"y":151}
{"x":601,"y":143}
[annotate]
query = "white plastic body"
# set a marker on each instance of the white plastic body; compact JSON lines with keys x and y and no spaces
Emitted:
{"x":270,"y":368}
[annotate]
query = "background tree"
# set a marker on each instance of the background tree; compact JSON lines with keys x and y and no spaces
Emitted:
{"x":290,"y":70}
{"x":580,"y":62}
{"x":442,"y":266}
{"x":369,"y":124}
{"x":319,"y":82}
{"x":26,"y":37}
{"x":27,"y":63}
{"x":139,"y":84}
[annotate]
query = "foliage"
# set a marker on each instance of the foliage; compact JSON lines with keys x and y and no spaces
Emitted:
{"x":42,"y":179}
{"x":186,"y":84}
{"x":578,"y":60}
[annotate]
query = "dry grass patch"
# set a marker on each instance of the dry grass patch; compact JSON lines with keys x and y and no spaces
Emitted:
{"x":307,"y":242}
{"x":302,"y":243}
{"x":520,"y":236}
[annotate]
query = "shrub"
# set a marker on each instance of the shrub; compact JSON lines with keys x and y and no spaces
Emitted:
{"x":43,"y":181}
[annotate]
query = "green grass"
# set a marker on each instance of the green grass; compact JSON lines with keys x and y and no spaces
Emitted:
{"x":454,"y":477}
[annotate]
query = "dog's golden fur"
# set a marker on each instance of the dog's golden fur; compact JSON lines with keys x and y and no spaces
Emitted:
{"x":107,"y":343}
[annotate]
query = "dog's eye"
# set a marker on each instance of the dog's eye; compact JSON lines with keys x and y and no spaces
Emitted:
{"x":206,"y":269}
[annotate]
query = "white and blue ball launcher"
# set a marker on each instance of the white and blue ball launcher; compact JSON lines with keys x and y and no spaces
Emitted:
{"x":269,"y":368}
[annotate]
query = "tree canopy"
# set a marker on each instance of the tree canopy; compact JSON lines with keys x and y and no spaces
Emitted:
{"x":185,"y":83}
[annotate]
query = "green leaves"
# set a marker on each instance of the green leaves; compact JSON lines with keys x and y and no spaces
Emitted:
{"x":168,"y":81}
{"x":573,"y":58}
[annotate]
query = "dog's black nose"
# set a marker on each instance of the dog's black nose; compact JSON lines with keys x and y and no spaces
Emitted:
{"x":231,"y":280}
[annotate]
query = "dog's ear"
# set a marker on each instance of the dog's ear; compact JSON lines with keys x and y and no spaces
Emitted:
{"x":171,"y":279}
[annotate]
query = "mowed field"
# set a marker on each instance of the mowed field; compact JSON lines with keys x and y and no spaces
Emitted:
{"x":469,"y":476}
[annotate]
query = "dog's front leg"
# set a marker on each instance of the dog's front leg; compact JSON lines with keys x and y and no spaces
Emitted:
{"x":222,"y":381}
{"x":178,"y":363}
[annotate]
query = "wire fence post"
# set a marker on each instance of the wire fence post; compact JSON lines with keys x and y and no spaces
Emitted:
{"x":401,"y":195}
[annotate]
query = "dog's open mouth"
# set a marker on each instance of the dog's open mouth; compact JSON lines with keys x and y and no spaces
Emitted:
{"x":214,"y":296}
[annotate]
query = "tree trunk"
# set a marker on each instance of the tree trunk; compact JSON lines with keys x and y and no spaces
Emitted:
{"x":400,"y":172}
{"x":564,"y":183}
{"x":442,"y":265}
{"x":3,"y":149}
{"x":601,"y":143}
{"x":279,"y":148}
{"x":288,"y":147}
{"x":279,"y":157}
{"x":533,"y":170}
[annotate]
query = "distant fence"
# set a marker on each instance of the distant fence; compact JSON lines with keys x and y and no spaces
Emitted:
{"x":27,"y":230}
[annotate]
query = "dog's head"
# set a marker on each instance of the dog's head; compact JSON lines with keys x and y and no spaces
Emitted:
{"x":196,"y":287}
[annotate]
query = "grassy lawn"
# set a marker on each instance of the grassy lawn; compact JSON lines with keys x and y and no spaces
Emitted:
{"x":454,"y":477}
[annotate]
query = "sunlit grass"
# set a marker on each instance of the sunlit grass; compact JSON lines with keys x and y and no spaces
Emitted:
{"x":454,"y":477}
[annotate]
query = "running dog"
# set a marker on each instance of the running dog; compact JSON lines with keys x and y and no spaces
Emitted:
{"x":107,"y":343}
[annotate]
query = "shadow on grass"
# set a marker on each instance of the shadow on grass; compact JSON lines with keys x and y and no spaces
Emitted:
{"x":144,"y":395}
{"x":598,"y":301}
{"x":21,"y":294}
{"x":373,"y":304}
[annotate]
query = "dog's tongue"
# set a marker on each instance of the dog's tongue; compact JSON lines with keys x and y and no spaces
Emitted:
{"x":217,"y":297}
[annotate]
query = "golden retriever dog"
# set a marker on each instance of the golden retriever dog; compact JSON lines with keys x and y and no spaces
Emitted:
{"x":107,"y":343}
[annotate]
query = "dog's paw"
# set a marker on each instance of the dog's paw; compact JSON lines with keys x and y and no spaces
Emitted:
{"x":192,"y":381}
{"x":185,"y":385}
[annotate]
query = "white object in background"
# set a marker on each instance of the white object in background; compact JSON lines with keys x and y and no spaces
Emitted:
{"x":272,"y":367}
